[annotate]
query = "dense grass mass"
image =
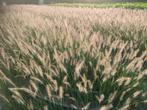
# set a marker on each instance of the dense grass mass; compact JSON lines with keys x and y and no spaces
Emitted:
{"x":59,"y":58}
{"x":133,"y":5}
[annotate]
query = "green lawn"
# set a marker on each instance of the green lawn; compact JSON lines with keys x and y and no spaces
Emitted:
{"x":140,"y":5}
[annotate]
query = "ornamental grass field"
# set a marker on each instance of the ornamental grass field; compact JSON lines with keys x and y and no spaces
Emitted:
{"x":66,"y":58}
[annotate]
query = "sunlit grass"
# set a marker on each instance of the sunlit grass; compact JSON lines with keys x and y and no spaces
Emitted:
{"x":58,"y":58}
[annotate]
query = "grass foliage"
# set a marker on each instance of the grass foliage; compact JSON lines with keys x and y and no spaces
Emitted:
{"x":132,"y":5}
{"x":57,"y":58}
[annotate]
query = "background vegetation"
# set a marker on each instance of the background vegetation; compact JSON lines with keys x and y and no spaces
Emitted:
{"x":66,"y":1}
{"x":132,"y":5}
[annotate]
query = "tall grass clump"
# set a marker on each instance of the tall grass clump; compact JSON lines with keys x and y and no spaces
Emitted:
{"x":55,"y":58}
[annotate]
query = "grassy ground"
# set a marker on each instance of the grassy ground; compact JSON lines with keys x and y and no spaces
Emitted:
{"x":137,"y":5}
{"x":59,"y":58}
